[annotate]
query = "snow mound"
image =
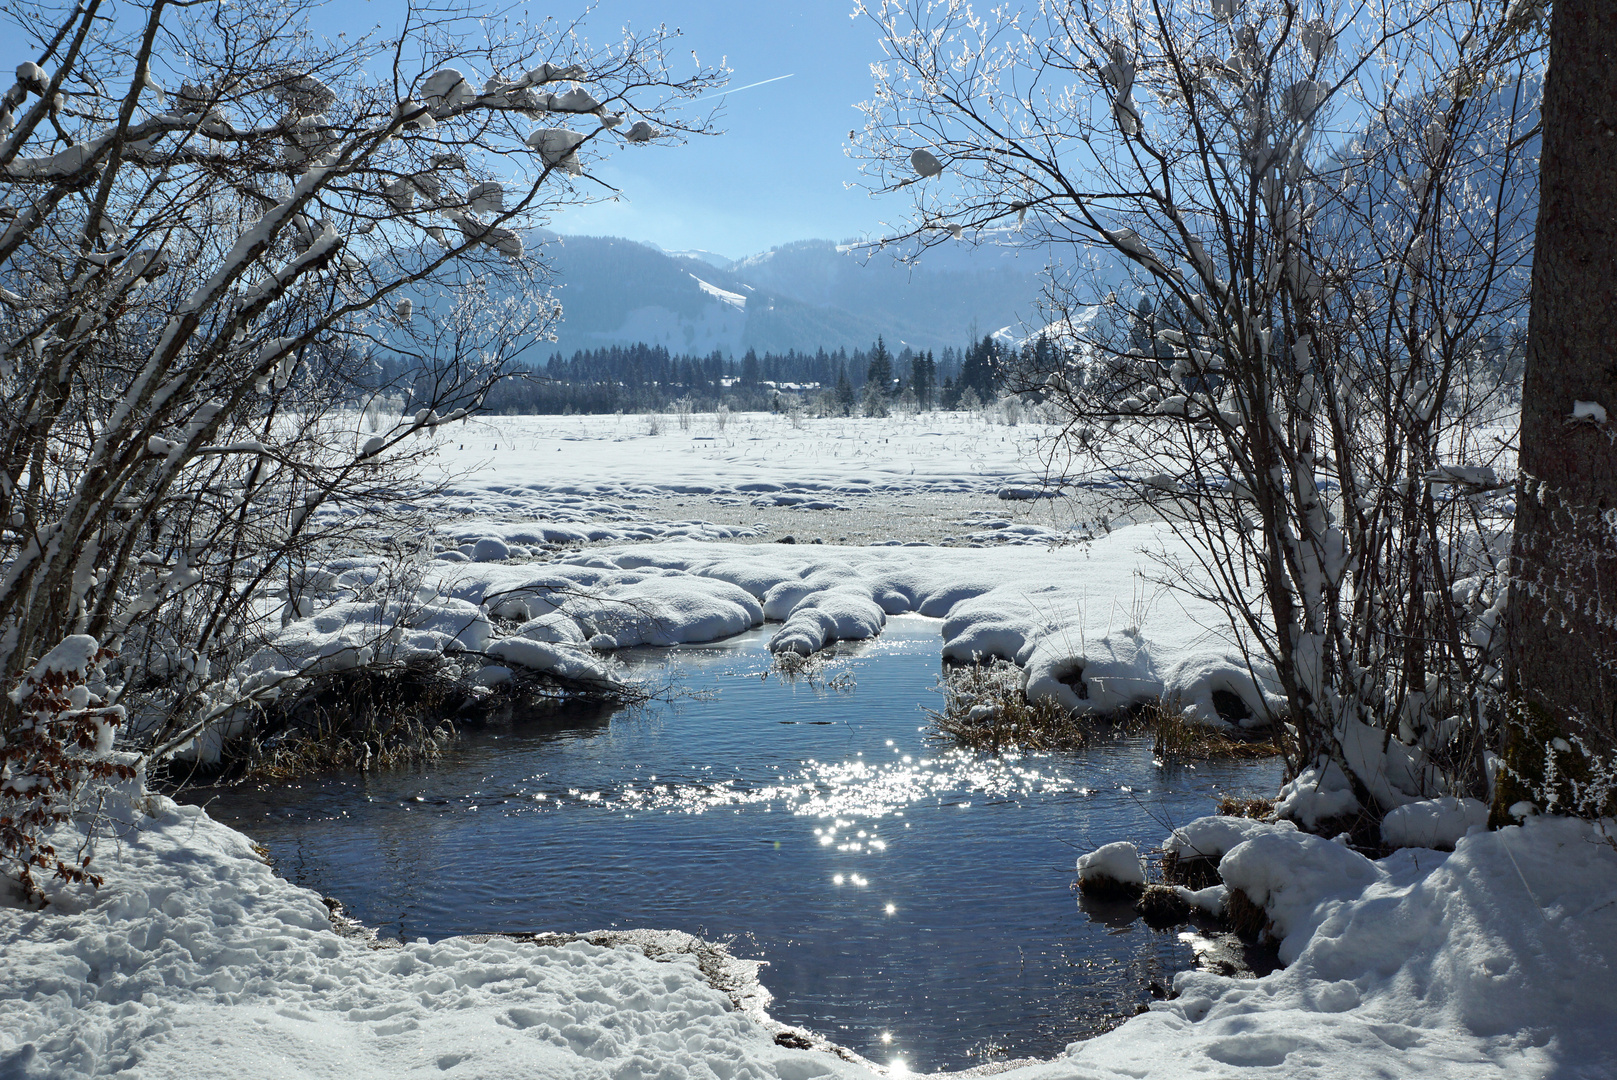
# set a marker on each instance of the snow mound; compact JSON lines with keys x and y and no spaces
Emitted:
{"x":1087,"y":630}
{"x":1117,"y":863}
{"x":490,"y":549}
{"x":1196,"y":681}
{"x":1433,"y":823}
{"x":554,"y":627}
{"x":665,"y":609}
{"x":1292,"y":876}
{"x":357,"y":633}
{"x":1319,"y":792}
{"x":564,"y":661}
{"x":1494,"y":961}
{"x":1211,"y":837}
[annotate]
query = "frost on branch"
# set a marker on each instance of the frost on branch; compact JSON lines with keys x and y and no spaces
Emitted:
{"x":1296,"y":349}
{"x":196,"y":287}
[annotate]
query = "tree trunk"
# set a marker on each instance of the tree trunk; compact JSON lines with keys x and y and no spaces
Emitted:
{"x":1563,"y":604}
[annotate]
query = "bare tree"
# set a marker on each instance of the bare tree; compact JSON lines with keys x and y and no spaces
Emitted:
{"x":1291,"y":241}
{"x":214,"y":223}
{"x":1563,"y":605}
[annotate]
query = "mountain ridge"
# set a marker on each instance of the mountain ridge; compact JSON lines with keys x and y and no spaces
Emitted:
{"x":804,"y":295}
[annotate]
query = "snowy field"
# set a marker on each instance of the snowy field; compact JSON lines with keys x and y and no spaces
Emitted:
{"x":955,"y":478}
{"x":750,"y":457}
{"x":1493,"y":960}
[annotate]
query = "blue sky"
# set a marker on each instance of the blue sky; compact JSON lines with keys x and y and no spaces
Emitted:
{"x":777,"y":173}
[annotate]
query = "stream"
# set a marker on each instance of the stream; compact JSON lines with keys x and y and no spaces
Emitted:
{"x":913,"y":902}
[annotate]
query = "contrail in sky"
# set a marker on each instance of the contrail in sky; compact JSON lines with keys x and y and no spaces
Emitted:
{"x":738,"y":89}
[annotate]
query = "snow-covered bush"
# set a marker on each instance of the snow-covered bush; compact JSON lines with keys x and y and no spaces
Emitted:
{"x":1293,"y":355}
{"x":197,"y":284}
{"x":61,"y":740}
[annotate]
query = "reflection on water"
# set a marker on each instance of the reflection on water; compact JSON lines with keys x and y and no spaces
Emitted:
{"x":912,"y":902}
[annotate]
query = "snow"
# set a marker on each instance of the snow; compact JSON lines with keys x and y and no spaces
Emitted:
{"x":1318,"y":793}
{"x":73,"y":656}
{"x":560,"y":659}
{"x":1211,"y":837}
{"x":1078,"y":618}
{"x":723,"y":296}
{"x":352,"y":633}
{"x":490,"y":549}
{"x":1434,"y":823}
{"x":526,"y":464}
{"x":1292,"y":876}
{"x":1088,"y":630}
{"x":1117,"y":862}
{"x":195,"y":959}
{"x":1494,"y":961}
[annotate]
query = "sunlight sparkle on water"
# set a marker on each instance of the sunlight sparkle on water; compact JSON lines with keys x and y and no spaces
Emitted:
{"x":853,"y":790}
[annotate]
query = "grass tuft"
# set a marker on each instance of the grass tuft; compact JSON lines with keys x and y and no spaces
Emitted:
{"x":1161,"y":907}
{"x":1178,"y":738}
{"x":984,"y":709}
{"x":1245,"y":806}
{"x":1249,"y":921}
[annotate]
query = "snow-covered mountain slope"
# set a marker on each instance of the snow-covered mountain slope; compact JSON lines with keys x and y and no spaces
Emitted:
{"x":808,"y":295}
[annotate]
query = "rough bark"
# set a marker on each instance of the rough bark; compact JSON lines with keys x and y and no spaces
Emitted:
{"x":1563,"y":606}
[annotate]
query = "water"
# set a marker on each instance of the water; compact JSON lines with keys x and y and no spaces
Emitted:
{"x":912,"y":902}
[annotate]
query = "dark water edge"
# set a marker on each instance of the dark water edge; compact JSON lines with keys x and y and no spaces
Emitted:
{"x":911,"y":902}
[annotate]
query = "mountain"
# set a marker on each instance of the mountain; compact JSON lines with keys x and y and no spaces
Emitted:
{"x":803,"y":296}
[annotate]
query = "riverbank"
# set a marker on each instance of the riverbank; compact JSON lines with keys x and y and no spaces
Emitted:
{"x":195,"y":959}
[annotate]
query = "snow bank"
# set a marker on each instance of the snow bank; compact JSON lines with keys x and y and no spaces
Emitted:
{"x":561,"y":660}
{"x":356,"y":633}
{"x":1211,"y":837}
{"x":1497,"y":960}
{"x":1292,"y":876}
{"x":1089,"y":632}
{"x":608,"y":603}
{"x":196,"y":960}
{"x":564,"y":612}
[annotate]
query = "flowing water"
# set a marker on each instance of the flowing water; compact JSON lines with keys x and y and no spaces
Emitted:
{"x":913,"y":902}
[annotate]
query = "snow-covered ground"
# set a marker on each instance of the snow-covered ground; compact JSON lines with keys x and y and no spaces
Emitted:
{"x":550,"y":481}
{"x":753,"y":457}
{"x":1493,"y":960}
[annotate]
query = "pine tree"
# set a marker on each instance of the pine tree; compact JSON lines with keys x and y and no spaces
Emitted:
{"x":923,"y":374}
{"x":880,"y":371}
{"x":980,"y":372}
{"x":844,"y":391}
